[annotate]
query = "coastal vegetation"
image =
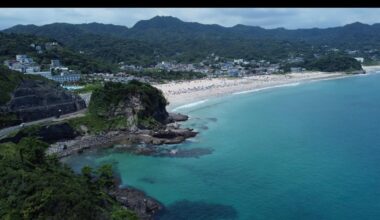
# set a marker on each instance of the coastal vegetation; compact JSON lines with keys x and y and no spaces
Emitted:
{"x":9,"y":80}
{"x":123,"y":106}
{"x":13,"y":44}
{"x":75,"y":61}
{"x":333,"y":63}
{"x":169,"y":38}
{"x":36,"y":186}
{"x":89,"y":87}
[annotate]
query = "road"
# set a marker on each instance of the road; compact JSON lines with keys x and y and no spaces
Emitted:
{"x":6,"y":131}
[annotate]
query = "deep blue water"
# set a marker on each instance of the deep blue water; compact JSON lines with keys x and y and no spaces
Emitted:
{"x":310,"y":151}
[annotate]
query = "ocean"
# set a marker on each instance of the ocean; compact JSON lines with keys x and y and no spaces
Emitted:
{"x":306,"y":151}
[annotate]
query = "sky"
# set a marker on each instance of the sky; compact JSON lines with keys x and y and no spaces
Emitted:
{"x":289,"y":18}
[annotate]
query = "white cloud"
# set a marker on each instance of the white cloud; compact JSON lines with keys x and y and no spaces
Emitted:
{"x":265,"y":17}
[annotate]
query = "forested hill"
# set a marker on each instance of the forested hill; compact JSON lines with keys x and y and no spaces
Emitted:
{"x":160,"y":38}
{"x":170,"y":28}
{"x":13,"y":44}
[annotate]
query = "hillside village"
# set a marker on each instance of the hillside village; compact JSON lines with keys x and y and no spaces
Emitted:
{"x":212,"y":66}
{"x":56,"y":71}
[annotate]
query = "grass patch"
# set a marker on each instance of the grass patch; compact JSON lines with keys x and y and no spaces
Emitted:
{"x":89,"y":88}
{"x":94,"y":124}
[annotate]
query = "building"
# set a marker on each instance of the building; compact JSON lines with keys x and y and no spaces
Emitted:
{"x":233,"y":72}
{"x":50,"y":45}
{"x":32,"y":69}
{"x":297,"y":69}
{"x":65,"y":78}
{"x":22,"y":58}
{"x":55,"y":63}
{"x":39,"y":49}
{"x":238,"y":61}
{"x":23,"y":64}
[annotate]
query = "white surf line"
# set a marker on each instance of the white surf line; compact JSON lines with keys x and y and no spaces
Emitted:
{"x":190,"y":105}
{"x":270,"y":87}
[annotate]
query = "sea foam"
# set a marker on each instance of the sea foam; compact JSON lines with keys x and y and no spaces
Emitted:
{"x":190,"y":105}
{"x":256,"y":90}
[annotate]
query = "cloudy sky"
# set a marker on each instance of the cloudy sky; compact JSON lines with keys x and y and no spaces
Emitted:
{"x":289,"y":18}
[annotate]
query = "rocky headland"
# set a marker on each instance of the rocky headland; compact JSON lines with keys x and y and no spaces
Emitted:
{"x":130,"y":117}
{"x":126,"y":140}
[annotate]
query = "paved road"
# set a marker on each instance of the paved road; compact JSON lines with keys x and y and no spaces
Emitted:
{"x":6,"y":131}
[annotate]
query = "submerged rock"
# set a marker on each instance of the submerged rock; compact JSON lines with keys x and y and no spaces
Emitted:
{"x":193,"y":152}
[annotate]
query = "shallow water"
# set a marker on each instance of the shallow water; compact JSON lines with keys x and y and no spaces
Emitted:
{"x":310,"y":151}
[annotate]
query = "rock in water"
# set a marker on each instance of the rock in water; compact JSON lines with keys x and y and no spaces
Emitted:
{"x":173,"y":117}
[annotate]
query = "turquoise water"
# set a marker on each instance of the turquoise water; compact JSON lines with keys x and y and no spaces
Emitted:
{"x":310,"y":151}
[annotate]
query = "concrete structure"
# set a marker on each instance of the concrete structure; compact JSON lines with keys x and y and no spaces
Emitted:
{"x":64,"y":78}
{"x":360,"y":59}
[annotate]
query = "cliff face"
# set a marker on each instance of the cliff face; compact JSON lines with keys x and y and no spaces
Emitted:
{"x":49,"y":133}
{"x":129,"y":105}
{"x":36,"y":98}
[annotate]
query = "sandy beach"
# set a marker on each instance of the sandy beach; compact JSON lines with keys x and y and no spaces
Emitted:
{"x":190,"y":91}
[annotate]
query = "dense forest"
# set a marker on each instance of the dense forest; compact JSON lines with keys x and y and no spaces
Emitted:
{"x":36,"y":186}
{"x":163,"y":38}
{"x":333,"y":63}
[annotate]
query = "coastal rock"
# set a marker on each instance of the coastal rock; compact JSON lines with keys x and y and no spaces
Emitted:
{"x":160,"y":137}
{"x":173,"y":117}
{"x":144,"y":206}
{"x":134,"y":105}
{"x":173,"y":133}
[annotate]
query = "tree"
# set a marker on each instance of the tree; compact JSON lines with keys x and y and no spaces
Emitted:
{"x":87,"y":173}
{"x":33,"y":149}
{"x":105,"y":178}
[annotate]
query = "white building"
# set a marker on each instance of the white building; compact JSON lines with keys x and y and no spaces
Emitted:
{"x":22,"y":58}
{"x":238,"y":61}
{"x":32,"y":69}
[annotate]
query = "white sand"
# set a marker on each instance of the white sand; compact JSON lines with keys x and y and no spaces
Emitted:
{"x":371,"y":68}
{"x":189,"y":91}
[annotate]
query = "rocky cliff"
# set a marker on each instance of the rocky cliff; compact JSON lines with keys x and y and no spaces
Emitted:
{"x":129,"y":106}
{"x":32,"y":98}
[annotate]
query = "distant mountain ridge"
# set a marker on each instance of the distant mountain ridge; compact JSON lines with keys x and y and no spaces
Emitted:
{"x":165,"y":25}
{"x":164,"y":37}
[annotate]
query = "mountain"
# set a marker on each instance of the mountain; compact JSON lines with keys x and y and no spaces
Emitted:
{"x":171,"y":28}
{"x":106,"y":42}
{"x":166,"y":37}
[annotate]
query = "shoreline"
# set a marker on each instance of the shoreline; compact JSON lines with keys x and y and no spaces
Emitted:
{"x":371,"y":68}
{"x":198,"y":91}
